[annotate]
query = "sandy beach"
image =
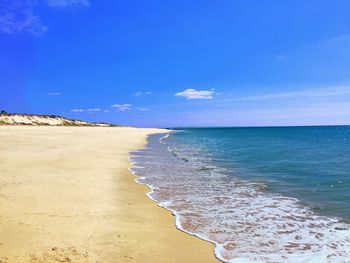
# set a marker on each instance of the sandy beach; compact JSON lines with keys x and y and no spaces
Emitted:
{"x":66,"y":195}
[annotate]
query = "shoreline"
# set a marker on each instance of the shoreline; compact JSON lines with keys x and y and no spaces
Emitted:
{"x":68,"y":195}
{"x":175,"y":214}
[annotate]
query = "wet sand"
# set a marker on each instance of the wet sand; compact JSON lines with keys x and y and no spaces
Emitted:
{"x":66,"y":195}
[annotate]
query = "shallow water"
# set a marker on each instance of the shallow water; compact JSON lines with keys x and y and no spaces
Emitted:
{"x":260,"y":194}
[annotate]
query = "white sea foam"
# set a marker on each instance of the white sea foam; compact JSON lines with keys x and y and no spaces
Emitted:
{"x":164,"y":137}
{"x":246,"y":223}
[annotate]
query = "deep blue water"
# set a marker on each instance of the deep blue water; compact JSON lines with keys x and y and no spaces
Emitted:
{"x":309,"y":163}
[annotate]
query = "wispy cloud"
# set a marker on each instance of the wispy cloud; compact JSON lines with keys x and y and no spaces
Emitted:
{"x":191,"y":94}
{"x":93,"y":110}
{"x":68,"y":3}
{"x":122,"y":107}
{"x":143,"y":109}
{"x":56,"y":93}
{"x":320,"y":92}
{"x":335,"y":42}
{"x":283,"y":57}
{"x":142,"y":93}
{"x":77,"y":110}
{"x":17,"y":16}
{"x":316,"y":113}
{"x":87,"y":110}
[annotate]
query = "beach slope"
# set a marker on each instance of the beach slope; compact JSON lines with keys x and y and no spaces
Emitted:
{"x":66,"y":195}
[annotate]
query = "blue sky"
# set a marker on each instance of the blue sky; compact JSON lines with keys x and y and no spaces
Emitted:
{"x":178,"y":63}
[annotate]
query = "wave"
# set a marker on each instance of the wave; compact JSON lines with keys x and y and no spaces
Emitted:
{"x":246,"y":223}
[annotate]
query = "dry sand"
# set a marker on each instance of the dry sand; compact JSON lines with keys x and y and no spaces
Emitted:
{"x":66,"y":196}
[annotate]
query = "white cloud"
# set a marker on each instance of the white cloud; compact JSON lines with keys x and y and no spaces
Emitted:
{"x":122,"y":107}
{"x":93,"y":110}
{"x":77,"y":110}
{"x":143,"y":93}
{"x":67,"y":3}
{"x":87,"y":110}
{"x":56,"y":93}
{"x":191,"y":94}
{"x":17,"y":16}
{"x":143,"y":109}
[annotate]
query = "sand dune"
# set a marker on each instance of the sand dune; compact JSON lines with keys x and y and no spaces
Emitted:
{"x":49,"y":120}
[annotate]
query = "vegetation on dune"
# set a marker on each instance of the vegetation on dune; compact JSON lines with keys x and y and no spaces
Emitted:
{"x":46,"y":120}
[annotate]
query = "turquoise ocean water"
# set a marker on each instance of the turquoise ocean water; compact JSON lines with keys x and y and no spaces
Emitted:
{"x":274,"y":194}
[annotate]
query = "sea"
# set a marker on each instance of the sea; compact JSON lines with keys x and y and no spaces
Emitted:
{"x":264,"y":194}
